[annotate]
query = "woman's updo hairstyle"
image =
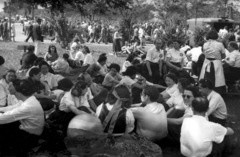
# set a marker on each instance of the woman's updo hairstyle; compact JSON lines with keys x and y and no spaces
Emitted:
{"x":34,"y":71}
{"x":23,"y":86}
{"x":131,"y":70}
{"x":172,"y":77}
{"x":78,"y":87}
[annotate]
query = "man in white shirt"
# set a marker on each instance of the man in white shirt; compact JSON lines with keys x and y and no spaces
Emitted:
{"x":154,"y":61}
{"x":198,"y":134}
{"x":217,"y":111}
{"x":151,"y":119}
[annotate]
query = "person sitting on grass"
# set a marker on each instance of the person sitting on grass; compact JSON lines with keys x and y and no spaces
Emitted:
{"x":28,"y":58}
{"x":198,"y":134}
{"x":89,"y":58}
{"x":51,"y":55}
{"x":115,"y":114}
{"x":61,"y":65}
{"x":113,"y":77}
{"x":172,"y":86}
{"x":102,"y":60}
{"x":127,"y":63}
{"x":151,"y":119}
{"x":47,"y":77}
{"x":22,"y":123}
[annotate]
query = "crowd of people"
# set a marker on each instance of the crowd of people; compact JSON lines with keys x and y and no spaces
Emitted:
{"x":152,"y":95}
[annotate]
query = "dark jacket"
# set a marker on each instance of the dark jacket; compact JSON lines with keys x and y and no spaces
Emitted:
{"x":37,"y":33}
{"x":28,"y":60}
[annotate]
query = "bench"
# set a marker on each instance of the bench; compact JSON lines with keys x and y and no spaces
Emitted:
{"x":22,"y":47}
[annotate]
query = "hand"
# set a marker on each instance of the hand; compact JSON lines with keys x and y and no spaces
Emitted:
{"x":160,"y":73}
{"x":179,"y":69}
{"x":52,"y":97}
{"x":150,"y":73}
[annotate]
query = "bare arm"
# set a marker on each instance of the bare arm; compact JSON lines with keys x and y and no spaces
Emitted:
{"x":170,"y":64}
{"x":149,"y":67}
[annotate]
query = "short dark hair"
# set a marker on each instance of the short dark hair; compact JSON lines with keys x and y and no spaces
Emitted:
{"x":22,"y":86}
{"x":234,"y":45}
{"x":194,"y":90}
{"x":43,"y":63}
{"x":34,"y":71}
{"x":65,"y":56}
{"x":130,"y":71}
{"x":152,"y":92}
{"x":31,"y":48}
{"x":86,"y":49}
{"x":135,"y":61}
{"x":115,"y":66}
{"x":38,"y":61}
{"x":130,"y":58}
{"x":200,"y":104}
{"x":212,"y":35}
{"x":93,"y":69}
{"x":102,"y":58}
{"x":184,"y":82}
{"x":206,"y":83}
{"x":2,"y":60}
{"x":172,"y":76}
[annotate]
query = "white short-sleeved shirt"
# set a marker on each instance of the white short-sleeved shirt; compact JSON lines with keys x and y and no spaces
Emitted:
{"x":217,"y":106}
{"x":129,"y":117}
{"x":176,"y":101}
{"x":79,"y":56}
{"x":233,"y":59}
{"x":125,"y":65}
{"x":172,"y":90}
{"x":50,"y":79}
{"x":195,"y":52}
{"x":213,"y":49}
{"x":175,"y":56}
{"x":126,"y":80}
{"x":89,"y":59}
{"x":108,"y":79}
{"x":69,"y":100}
{"x":197,"y":135}
{"x":151,"y":121}
{"x":154,"y":56}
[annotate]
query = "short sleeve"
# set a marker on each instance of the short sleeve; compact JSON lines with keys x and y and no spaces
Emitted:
{"x":129,"y":121}
{"x":219,"y":133}
{"x":168,"y":55}
{"x":67,"y":102}
{"x":127,"y":81}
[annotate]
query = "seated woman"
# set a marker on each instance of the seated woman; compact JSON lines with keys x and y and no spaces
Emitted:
{"x":151,"y":119}
{"x":114,"y":114}
{"x":113,"y":77}
{"x":41,"y":89}
{"x":28,"y":58}
{"x":177,"y":115}
{"x":47,"y":77}
{"x":89,"y":58}
{"x":61,"y":65}
{"x":23,"y":123}
{"x":176,"y":101}
{"x":172,"y":87}
{"x":175,"y":58}
{"x":102,"y":60}
{"x":77,"y":101}
{"x":9,"y":99}
{"x":51,"y":55}
{"x":127,"y":63}
{"x":232,"y":69}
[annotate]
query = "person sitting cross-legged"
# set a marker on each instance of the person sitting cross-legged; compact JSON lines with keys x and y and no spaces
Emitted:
{"x":23,"y":123}
{"x":151,"y":119}
{"x":115,"y":115}
{"x":198,"y":134}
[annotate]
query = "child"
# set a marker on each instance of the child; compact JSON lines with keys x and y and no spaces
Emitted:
{"x":113,"y":77}
{"x":61,"y":65}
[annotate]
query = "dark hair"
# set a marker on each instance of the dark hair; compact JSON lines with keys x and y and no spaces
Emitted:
{"x":2,"y":60}
{"x":65,"y":84}
{"x":65,"y":56}
{"x":23,"y":86}
{"x":135,"y":61}
{"x":172,"y":76}
{"x":130,"y":71}
{"x":200,"y":104}
{"x":50,"y":48}
{"x":157,"y":39}
{"x":78,"y":87}
{"x":93,"y":69}
{"x":76,"y":40}
{"x":206,"y":83}
{"x":130,"y":58}
{"x":194,"y":90}
{"x":115,"y":66}
{"x":225,"y":27}
{"x":234,"y":45}
{"x":102,"y":58}
{"x":184,"y":82}
{"x":86,"y":49}
{"x":143,"y":56}
{"x":212,"y":35}
{"x":43,"y":63}
{"x":34,"y":71}
{"x":31,"y":48}
{"x":152,"y":92}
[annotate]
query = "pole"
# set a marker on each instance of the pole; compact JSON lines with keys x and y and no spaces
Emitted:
{"x":196,"y":8}
{"x":10,"y":20}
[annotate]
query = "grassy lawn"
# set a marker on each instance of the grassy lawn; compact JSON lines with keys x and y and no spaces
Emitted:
{"x":12,"y":56}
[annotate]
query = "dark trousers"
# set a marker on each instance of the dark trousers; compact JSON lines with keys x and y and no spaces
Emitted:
{"x":14,"y":141}
{"x":155,"y":73}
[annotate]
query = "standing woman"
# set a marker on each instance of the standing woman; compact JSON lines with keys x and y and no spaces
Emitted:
{"x":116,"y":42}
{"x":212,"y":68}
{"x":52,"y":54}
{"x":13,"y":31}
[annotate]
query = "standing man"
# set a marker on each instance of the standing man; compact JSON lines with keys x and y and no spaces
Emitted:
{"x":154,"y":61}
{"x":5,"y":30}
{"x":37,"y":36}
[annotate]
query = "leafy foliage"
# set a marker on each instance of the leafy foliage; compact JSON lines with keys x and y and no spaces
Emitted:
{"x":199,"y":34}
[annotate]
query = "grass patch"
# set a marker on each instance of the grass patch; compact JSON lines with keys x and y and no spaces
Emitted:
{"x":12,"y":56}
